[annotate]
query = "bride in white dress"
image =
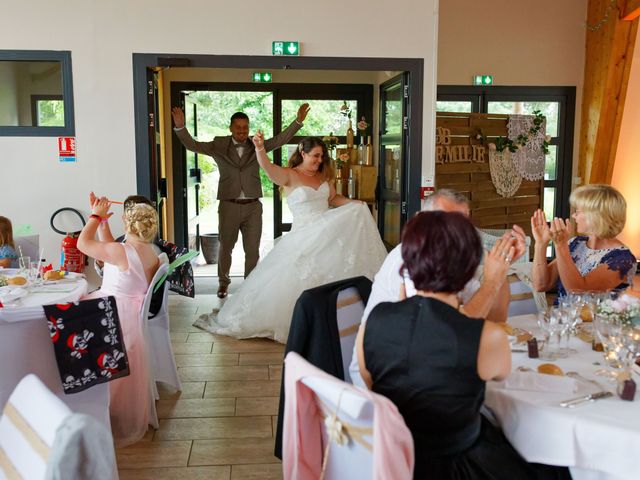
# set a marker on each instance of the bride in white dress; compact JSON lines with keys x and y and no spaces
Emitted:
{"x":325,"y":245}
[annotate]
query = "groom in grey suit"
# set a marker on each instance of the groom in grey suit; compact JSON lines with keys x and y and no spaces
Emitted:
{"x":239,"y":188}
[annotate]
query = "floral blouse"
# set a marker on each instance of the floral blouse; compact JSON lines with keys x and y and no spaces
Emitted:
{"x":7,"y":251}
{"x":618,"y":259}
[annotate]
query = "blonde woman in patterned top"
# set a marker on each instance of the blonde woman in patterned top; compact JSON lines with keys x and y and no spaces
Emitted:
{"x":594,"y":260}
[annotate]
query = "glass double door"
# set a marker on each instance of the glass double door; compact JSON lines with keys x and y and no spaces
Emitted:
{"x":392,"y":173}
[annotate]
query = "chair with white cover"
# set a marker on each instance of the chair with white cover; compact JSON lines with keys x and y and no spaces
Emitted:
{"x":162,"y":361}
{"x":523,"y":299}
{"x":349,"y":311}
{"x":41,"y":438}
{"x":490,"y":236}
{"x":29,"y":246}
{"x":354,"y":459}
{"x":334,"y":430}
{"x":28,"y":429}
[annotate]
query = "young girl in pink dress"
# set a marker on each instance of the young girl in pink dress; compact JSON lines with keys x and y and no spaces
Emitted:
{"x":128,"y":270}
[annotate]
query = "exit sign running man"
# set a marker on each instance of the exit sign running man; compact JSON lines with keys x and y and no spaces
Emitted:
{"x":285,"y":48}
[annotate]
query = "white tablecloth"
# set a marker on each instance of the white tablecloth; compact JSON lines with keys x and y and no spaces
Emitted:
{"x":598,"y":439}
{"x":25,"y":347}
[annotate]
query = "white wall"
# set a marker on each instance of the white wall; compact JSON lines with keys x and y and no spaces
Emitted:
{"x":102,"y":37}
{"x":532,"y":43}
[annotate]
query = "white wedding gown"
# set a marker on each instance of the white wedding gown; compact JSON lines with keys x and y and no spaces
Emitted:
{"x":325,"y":245}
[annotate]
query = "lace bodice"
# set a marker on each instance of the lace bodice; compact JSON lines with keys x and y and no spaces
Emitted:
{"x":307,"y":204}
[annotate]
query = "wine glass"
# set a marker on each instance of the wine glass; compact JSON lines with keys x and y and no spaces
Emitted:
{"x":571,"y":304}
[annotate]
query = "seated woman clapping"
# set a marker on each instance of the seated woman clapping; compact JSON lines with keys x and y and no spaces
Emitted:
{"x":593,"y":261}
{"x":432,"y":360}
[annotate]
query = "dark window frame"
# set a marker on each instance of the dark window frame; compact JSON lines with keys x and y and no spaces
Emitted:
{"x":480,"y":97}
{"x":64,"y":57}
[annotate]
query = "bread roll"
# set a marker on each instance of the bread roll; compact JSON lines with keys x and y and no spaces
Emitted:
{"x":53,"y":275}
{"x":17,"y":281}
{"x":550,"y":369}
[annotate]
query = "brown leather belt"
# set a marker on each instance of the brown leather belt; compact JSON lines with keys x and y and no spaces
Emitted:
{"x":242,"y":201}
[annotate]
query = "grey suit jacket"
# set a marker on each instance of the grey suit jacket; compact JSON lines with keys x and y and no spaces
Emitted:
{"x":236,"y":173}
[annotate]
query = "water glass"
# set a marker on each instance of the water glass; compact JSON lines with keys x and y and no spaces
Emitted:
{"x":554,"y":322}
{"x":32,"y":272}
{"x":610,"y":333}
{"x":23,"y":264}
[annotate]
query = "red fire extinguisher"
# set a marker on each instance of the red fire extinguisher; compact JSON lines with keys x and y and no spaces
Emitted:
{"x":71,"y":259}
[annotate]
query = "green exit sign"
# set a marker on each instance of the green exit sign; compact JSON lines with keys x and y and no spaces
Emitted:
{"x":483,"y":79}
{"x":262,"y":77}
{"x":285,"y":48}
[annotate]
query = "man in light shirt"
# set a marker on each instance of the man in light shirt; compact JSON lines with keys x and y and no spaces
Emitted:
{"x":487,"y":298}
{"x":239,"y":187}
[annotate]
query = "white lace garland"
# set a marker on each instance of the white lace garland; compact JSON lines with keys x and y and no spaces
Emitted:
{"x":529,"y":158}
{"x":504,"y":175}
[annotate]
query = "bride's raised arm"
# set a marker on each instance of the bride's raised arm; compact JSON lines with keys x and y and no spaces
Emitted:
{"x":277,"y":174}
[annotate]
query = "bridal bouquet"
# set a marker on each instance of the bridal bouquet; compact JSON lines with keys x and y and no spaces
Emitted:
{"x":624,"y":310}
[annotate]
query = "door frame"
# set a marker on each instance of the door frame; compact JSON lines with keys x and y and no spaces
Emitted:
{"x":142,"y":62}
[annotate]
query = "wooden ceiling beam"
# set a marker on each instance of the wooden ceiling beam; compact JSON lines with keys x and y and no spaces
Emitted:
{"x":608,"y":59}
{"x":631,"y":10}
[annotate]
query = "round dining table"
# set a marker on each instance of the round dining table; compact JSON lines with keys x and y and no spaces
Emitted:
{"x":26,"y":347}
{"x":596,"y":439}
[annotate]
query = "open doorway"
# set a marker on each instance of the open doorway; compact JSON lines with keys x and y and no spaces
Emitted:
{"x":189,"y":212}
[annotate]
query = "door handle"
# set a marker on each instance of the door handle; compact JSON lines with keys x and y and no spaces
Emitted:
{"x":196,"y":173}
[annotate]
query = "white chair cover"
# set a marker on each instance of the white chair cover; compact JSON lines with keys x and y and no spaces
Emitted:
{"x":29,"y":245}
{"x":162,"y":360}
{"x":349,"y":311}
{"x":28,"y":429}
{"x":354,"y":460}
{"x":144,"y":314}
{"x":490,"y":236}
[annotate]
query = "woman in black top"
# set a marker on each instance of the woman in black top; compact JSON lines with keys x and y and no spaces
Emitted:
{"x":432,"y":360}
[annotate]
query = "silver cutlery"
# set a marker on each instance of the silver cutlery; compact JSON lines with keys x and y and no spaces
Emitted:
{"x":585,"y":398}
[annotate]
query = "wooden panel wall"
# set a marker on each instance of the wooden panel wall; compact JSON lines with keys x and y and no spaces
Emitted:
{"x":606,"y":75}
{"x":488,"y":208}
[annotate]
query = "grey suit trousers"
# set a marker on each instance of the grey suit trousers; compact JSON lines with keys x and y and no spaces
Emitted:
{"x":234,"y":218}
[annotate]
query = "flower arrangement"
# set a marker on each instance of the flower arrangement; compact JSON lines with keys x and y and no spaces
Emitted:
{"x":345,"y":110}
{"x":521,"y":141}
{"x":331,"y":142}
{"x":342,"y":159}
{"x":625,"y":309}
{"x":362,"y":126}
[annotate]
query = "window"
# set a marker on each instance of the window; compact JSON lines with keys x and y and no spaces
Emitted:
{"x":36,"y":94}
{"x":47,"y":110}
{"x":557,"y":104}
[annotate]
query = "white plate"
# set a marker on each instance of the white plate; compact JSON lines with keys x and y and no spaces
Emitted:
{"x":11,"y":293}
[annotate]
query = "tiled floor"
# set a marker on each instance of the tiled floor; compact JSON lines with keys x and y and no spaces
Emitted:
{"x":221,"y":426}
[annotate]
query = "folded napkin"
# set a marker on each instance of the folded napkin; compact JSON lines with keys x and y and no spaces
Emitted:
{"x":539,"y":382}
{"x":10,"y":294}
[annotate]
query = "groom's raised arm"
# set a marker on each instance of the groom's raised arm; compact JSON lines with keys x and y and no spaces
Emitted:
{"x":287,"y":134}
